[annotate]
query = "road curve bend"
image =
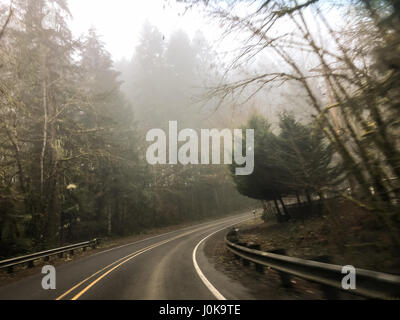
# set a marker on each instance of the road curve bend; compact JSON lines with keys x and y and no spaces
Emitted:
{"x":169,"y":266}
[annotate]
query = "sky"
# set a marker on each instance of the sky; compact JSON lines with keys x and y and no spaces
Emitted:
{"x":120,"y":21}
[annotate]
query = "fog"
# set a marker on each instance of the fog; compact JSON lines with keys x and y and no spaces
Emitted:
{"x":120,"y":22}
{"x":90,"y":90}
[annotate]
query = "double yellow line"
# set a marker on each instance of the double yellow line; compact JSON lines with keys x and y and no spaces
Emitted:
{"x":119,"y":263}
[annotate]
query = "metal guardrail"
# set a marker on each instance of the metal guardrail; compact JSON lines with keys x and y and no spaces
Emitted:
{"x":369,"y":284}
{"x":30,"y":258}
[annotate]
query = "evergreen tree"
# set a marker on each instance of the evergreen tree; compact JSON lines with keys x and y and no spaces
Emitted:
{"x":267,"y":181}
{"x":307,"y":157}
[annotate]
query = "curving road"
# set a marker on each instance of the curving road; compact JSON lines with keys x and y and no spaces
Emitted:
{"x":170,"y":266}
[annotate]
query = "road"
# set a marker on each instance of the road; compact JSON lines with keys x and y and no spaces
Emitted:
{"x":170,"y":266}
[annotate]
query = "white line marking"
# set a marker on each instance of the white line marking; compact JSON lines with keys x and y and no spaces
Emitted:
{"x":206,"y":282}
{"x":167,"y":233}
{"x":130,"y":257}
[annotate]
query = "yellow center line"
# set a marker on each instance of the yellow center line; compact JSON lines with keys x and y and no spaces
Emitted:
{"x":94,"y":274}
{"x":126,"y":259}
{"x":111,"y":270}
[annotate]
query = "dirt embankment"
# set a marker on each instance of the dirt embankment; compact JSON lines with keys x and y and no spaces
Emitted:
{"x":344,"y":232}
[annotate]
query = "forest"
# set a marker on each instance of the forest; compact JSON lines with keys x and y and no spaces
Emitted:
{"x":72,"y":164}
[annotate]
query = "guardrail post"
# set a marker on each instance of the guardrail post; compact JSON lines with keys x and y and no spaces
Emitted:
{"x":61,"y":255}
{"x":284,"y":276}
{"x":259,"y":268}
{"x":245,"y":262}
{"x":321,"y":271}
{"x":71,"y":252}
{"x":329,"y":293}
{"x":10,"y":269}
{"x":94,"y":243}
{"x":31,"y":264}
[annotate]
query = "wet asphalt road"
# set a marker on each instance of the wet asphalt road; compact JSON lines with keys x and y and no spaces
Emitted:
{"x":170,"y":266}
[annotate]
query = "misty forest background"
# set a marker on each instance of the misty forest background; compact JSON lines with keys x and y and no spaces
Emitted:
{"x":324,"y":103}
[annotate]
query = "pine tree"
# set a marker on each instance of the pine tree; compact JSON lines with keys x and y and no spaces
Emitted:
{"x":267,"y":182}
{"x":307,"y":157}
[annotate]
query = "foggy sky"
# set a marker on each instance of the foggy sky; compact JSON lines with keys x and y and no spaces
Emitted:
{"x":120,"y":21}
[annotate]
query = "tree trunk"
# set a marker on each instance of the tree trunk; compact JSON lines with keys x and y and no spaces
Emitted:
{"x":264,"y":206}
{"x":287,"y":215}
{"x":279,"y":216}
{"x":109,"y":224}
{"x":308,"y":197}
{"x":298,"y":199}
{"x":216,"y":198}
{"x":45,"y":124}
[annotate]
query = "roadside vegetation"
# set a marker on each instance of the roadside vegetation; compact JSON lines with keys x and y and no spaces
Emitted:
{"x":346,"y":144}
{"x":339,"y":232}
{"x":73,"y":128}
{"x":317,"y":80}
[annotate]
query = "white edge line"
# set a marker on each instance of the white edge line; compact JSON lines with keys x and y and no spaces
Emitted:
{"x":206,"y":282}
{"x":163,"y":234}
